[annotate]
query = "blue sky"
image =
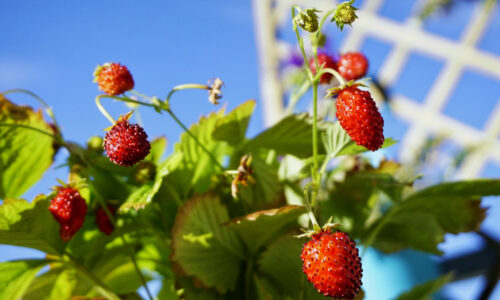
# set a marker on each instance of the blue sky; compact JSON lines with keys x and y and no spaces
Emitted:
{"x":52,"y":48}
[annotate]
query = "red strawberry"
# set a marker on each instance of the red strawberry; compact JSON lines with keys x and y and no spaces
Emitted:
{"x":103,"y":221}
{"x":359,"y":116}
{"x":126,"y":144}
{"x":352,"y":66}
{"x":331,"y":263}
{"x":69,"y":209}
{"x":113,"y":78}
{"x":327,"y":62}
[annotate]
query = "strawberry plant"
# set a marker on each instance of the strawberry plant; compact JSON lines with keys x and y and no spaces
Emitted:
{"x":223,"y":216}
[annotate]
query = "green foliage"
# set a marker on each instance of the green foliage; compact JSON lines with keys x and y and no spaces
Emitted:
{"x":57,"y":283}
{"x":437,"y":210}
{"x":360,"y":199}
{"x":266,"y":191}
{"x":292,"y":135}
{"x":197,"y":164}
{"x":337,"y":142}
{"x":158,"y":147}
{"x":424,"y":291}
{"x":181,"y":223}
{"x":16,"y":276}
{"x":24,"y":154}
{"x":215,"y":257}
{"x":232,"y":127}
{"x":262,"y":227}
{"x":469,"y":188}
{"x":281,"y":265}
{"x":144,"y":194}
{"x":29,"y":225}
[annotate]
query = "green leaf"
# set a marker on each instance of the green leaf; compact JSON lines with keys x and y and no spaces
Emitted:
{"x":57,"y":283}
{"x":232,"y":127}
{"x":192,"y":290}
{"x":117,"y":271}
{"x":16,"y":276}
{"x":195,"y":160}
{"x":30,"y":225}
{"x":421,"y":222}
{"x":168,"y":291}
{"x":25,"y":154}
{"x":415,"y":230}
{"x":359,"y":199}
{"x":424,"y":291}
{"x":337,"y":142}
{"x":259,"y":228}
{"x":335,"y":139}
{"x":281,"y":265}
{"x":215,"y":262}
{"x":351,"y":148}
{"x":469,"y":188}
{"x":266,"y":189}
{"x":158,"y":147}
{"x":291,"y":135}
{"x":144,"y":195}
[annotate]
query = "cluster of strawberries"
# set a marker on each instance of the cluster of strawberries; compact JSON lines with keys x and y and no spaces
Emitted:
{"x":330,"y":259}
{"x":125,"y":144}
{"x":69,"y":209}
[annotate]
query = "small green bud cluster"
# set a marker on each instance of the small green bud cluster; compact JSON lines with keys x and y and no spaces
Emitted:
{"x":308,"y":20}
{"x":345,"y":14}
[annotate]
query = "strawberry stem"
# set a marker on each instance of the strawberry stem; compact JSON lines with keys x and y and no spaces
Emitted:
{"x":185,"y":87}
{"x":179,"y":122}
{"x":301,"y":42}
{"x":337,"y":75}
{"x":102,"y":109}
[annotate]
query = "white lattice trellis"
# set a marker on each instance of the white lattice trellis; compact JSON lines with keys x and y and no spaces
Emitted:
{"x":424,"y":118}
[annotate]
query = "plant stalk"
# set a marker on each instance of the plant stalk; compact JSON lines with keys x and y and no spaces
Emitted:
{"x":126,"y":244}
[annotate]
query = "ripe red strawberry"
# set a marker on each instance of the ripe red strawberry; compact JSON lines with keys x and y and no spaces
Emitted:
{"x":113,"y":78}
{"x":103,"y":221}
{"x":331,"y":263}
{"x":69,"y":209}
{"x":352,"y":66}
{"x":126,"y":144}
{"x":359,"y":116}
{"x":327,"y":62}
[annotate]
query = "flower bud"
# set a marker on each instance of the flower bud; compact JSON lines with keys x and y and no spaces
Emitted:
{"x":345,"y":14}
{"x":308,"y":20}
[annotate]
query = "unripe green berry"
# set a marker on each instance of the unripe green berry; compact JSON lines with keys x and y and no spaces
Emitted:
{"x":95,"y":144}
{"x":308,"y":20}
